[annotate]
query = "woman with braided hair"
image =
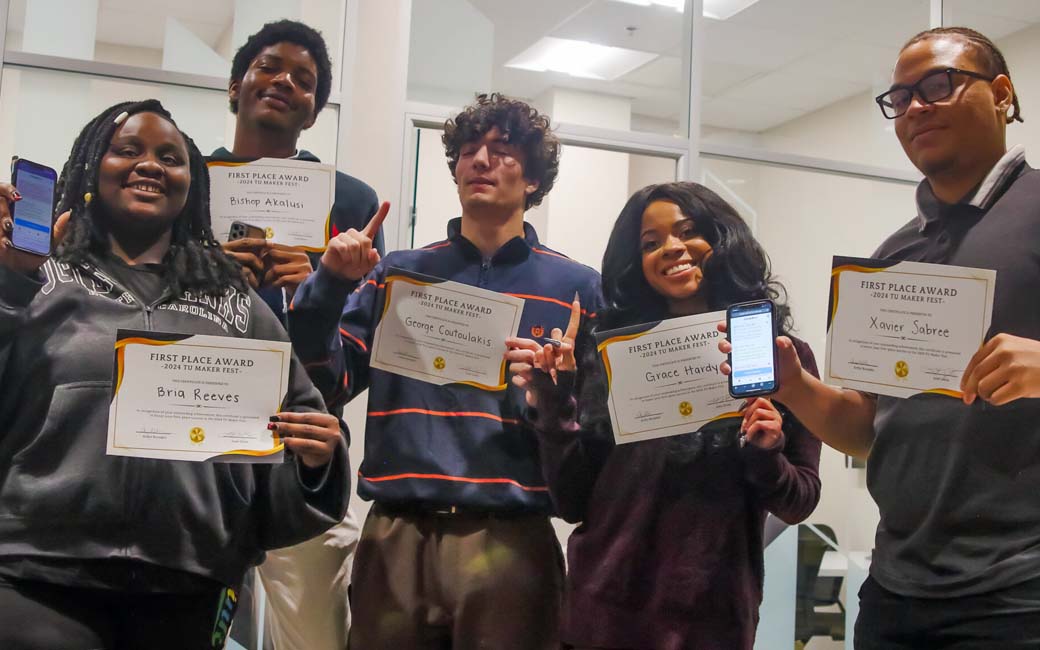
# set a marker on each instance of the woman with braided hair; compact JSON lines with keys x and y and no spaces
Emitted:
{"x":101,"y":551}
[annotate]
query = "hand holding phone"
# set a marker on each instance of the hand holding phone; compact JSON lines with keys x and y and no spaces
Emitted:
{"x":242,"y":230}
{"x":753,"y":357}
{"x":23,"y":248}
{"x":33,"y":212}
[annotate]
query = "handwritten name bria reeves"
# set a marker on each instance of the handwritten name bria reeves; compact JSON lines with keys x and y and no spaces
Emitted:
{"x":452,"y":306}
{"x":199,"y":363}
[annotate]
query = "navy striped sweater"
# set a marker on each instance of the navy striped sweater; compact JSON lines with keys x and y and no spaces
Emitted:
{"x":433,"y":445}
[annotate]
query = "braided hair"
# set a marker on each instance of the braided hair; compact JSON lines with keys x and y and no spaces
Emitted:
{"x":989,"y":55}
{"x":195,"y":261}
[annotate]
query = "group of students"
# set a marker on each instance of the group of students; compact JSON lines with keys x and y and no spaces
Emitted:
{"x":458,"y":550}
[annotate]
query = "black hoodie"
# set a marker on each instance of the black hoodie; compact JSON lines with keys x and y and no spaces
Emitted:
{"x":64,"y":502}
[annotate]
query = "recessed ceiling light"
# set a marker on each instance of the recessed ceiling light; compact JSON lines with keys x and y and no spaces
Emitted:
{"x":717,"y":9}
{"x":723,"y":9}
{"x":580,"y":59}
{"x":678,"y":5}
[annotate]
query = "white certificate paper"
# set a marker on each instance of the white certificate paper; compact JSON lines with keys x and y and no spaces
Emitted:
{"x":664,"y":377}
{"x":291,"y":199}
{"x":444,"y":332}
{"x":199,"y":398}
{"x":903,"y":328}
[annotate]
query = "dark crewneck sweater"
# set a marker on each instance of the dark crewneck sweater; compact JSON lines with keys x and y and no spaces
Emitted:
{"x":669,"y":552}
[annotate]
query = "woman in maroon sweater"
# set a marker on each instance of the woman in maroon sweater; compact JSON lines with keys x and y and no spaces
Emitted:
{"x":669,"y":551}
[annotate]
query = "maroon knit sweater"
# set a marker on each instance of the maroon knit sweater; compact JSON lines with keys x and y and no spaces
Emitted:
{"x":668,"y":555}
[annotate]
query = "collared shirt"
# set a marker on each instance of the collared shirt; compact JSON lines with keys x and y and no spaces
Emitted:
{"x":957,"y":485}
{"x":435,"y":446}
{"x":930,"y":208}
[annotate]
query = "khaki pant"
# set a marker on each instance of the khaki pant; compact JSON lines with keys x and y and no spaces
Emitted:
{"x":306,"y":589}
{"x":458,"y":581}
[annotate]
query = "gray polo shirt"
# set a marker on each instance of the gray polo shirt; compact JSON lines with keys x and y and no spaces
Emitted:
{"x":958,"y":486}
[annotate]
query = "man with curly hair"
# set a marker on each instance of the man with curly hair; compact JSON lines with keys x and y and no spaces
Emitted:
{"x":458,"y":550}
{"x":280,"y":81}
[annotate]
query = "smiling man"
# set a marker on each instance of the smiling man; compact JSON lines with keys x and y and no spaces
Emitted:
{"x":458,"y":550}
{"x":280,"y":81}
{"x":957,"y":556}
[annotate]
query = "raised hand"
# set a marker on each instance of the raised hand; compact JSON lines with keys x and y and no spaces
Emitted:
{"x":12,"y":258}
{"x":539,"y":368}
{"x":790,"y":366}
{"x":351,"y":255}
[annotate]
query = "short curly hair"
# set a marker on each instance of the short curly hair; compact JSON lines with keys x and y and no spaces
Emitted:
{"x":287,"y":31}
{"x":522,"y":126}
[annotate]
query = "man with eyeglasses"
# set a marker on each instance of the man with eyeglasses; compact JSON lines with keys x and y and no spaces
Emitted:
{"x":957,"y":557}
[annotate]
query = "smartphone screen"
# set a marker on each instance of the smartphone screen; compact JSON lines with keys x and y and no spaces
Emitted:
{"x":752,"y":332}
{"x":33,"y":214}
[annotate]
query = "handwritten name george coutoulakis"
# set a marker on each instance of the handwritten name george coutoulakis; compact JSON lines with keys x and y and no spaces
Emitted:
{"x":450,"y":332}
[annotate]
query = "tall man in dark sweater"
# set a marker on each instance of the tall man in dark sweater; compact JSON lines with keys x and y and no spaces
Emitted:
{"x":457,"y":551}
{"x":957,"y":557}
{"x":280,"y":81}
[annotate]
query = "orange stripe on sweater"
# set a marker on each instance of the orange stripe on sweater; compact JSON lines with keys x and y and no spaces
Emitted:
{"x":460,"y":479}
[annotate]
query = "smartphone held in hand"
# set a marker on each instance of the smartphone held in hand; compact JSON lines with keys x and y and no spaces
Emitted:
{"x":33,"y":215}
{"x":752,"y":332}
{"x":242,"y":230}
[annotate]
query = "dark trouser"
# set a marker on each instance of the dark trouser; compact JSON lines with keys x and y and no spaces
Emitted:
{"x":1008,"y":619}
{"x":456,"y":581}
{"x":44,"y":616}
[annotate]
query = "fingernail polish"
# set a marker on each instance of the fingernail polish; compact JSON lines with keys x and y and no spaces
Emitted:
{"x":271,"y":426}
{"x":275,"y":418}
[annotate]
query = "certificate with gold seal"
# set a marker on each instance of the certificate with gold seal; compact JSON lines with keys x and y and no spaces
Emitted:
{"x":904,"y":328}
{"x":290,"y":199}
{"x":663,"y":378}
{"x":444,"y":332}
{"x":197,"y":398}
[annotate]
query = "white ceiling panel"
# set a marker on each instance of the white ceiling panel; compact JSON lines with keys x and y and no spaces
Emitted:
{"x":746,"y":117}
{"x":995,"y":27}
{"x":717,"y":77}
{"x":143,"y":29}
{"x":1024,"y":10}
{"x":731,"y":43}
{"x":790,"y":89}
{"x":662,"y":72}
{"x":654,"y":29}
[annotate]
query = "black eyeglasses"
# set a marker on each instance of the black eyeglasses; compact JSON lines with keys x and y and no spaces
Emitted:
{"x":933,"y":87}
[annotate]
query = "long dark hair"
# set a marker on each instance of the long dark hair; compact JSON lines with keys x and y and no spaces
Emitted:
{"x":195,"y":261}
{"x":738,"y":270}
